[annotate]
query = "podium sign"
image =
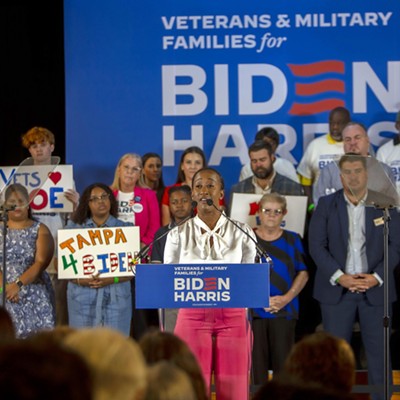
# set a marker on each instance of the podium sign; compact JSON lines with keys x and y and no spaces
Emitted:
{"x":202,"y":285}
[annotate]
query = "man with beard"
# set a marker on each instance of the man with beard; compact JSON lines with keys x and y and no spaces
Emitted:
{"x":265,"y":178}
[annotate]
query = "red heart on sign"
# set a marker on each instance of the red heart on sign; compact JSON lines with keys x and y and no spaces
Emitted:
{"x":55,"y":177}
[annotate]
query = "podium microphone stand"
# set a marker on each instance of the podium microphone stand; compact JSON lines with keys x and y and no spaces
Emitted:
{"x":382,"y":195}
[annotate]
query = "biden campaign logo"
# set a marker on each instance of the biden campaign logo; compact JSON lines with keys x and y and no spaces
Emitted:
{"x":202,"y":291}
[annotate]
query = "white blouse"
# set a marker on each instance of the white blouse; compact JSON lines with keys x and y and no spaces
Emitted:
{"x":194,"y":242}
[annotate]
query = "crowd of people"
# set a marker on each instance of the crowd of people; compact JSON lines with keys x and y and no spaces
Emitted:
{"x":340,"y":257}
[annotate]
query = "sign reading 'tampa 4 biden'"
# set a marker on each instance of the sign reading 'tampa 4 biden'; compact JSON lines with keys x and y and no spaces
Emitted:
{"x":45,"y":183}
{"x":107,"y":252}
{"x":202,"y":285}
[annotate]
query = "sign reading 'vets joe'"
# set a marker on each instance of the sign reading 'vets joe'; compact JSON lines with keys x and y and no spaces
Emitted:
{"x":46,"y":185}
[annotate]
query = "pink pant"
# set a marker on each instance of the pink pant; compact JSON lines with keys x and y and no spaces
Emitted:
{"x":220,"y":339}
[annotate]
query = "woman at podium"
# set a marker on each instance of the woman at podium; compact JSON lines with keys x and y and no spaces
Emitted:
{"x":220,"y":338}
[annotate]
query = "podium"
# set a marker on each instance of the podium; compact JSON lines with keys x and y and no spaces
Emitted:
{"x":216,"y":285}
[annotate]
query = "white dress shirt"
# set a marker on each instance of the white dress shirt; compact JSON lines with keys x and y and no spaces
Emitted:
{"x":195,"y":242}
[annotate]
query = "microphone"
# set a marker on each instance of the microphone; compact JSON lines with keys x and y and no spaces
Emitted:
{"x":143,"y":253}
{"x":260,"y":251}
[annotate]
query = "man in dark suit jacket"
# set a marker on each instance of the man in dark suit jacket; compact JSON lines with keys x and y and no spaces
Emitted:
{"x":346,"y":243}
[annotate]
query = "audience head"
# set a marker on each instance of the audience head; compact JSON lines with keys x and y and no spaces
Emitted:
{"x":269,"y":135}
{"x":116,"y":362}
{"x":339,"y":117}
{"x":56,"y":335}
{"x":92,"y":196}
{"x":40,"y":143}
{"x":355,"y":139}
{"x":166,"y":381}
{"x":152,"y":171}
{"x":289,"y":388}
{"x":17,"y":195}
{"x":272,"y":209}
{"x":37,"y":135}
{"x":352,"y":157}
{"x":262,"y":159}
{"x":354,"y":174}
{"x":180,"y":202}
{"x":274,"y":198}
{"x":127,"y":172}
{"x":192,"y":159}
{"x":33,"y":370}
{"x":157,"y":346}
{"x":324,"y":359}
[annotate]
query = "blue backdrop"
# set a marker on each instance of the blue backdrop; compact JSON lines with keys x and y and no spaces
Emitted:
{"x":164,"y":75}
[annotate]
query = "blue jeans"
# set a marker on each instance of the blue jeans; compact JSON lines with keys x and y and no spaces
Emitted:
{"x":110,"y":306}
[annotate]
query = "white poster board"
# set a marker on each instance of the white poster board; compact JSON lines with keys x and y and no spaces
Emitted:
{"x":245,"y":207}
{"x":47,"y":185}
{"x":105,"y":251}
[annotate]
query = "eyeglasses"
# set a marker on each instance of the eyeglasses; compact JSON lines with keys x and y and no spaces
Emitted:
{"x":97,"y":199}
{"x":270,"y":212}
{"x":132,"y":169}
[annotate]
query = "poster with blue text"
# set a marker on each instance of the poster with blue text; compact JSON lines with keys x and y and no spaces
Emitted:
{"x":160,"y":76}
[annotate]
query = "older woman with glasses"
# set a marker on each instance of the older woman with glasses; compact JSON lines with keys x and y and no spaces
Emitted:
{"x":274,"y":327}
{"x":99,"y":301}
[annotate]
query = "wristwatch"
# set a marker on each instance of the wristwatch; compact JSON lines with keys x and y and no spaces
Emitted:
{"x":19,"y":283}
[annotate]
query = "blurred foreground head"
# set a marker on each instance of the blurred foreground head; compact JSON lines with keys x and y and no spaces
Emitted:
{"x":116,"y":362}
{"x":37,"y":370}
{"x":166,"y":381}
{"x":158,"y":346}
{"x":324,"y":359}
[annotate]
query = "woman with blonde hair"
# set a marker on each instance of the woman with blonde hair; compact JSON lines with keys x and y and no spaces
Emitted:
{"x":136,"y":204}
{"x":139,"y":206}
{"x":116,"y":362}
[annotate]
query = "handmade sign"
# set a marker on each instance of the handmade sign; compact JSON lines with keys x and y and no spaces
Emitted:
{"x":46,"y":185}
{"x":109,"y":252}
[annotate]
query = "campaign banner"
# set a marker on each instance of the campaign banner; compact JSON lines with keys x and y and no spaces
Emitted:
{"x":108,"y":252}
{"x":202,"y":285}
{"x":160,"y":76}
{"x":245,"y":209}
{"x":46,"y":185}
